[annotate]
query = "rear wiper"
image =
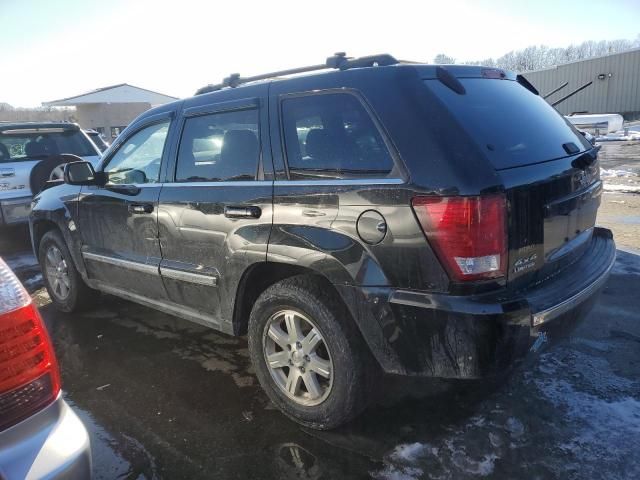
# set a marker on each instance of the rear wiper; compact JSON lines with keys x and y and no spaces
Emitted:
{"x":527,"y":84}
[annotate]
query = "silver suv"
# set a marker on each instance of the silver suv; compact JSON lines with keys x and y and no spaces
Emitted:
{"x":25,"y":145}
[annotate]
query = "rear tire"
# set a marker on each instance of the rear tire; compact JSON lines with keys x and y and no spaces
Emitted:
{"x":65,"y":285}
{"x":294,"y":373}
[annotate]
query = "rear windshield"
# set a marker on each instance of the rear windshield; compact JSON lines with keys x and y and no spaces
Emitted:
{"x":514,"y":126}
{"x":16,"y":146}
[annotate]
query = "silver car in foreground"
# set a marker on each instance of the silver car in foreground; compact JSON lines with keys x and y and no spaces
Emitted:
{"x":40,"y":436}
{"x":27,"y":144}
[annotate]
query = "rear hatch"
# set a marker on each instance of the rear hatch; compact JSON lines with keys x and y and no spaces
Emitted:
{"x":21,"y":148}
{"x":549,"y":170}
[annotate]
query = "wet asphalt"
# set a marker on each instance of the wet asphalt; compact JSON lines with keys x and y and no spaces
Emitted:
{"x":164,"y":398}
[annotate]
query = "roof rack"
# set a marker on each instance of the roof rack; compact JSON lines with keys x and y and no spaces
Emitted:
{"x":338,"y":61}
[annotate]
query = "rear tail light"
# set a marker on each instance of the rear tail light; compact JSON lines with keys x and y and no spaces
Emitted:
{"x":467,"y":233}
{"x":29,"y":377}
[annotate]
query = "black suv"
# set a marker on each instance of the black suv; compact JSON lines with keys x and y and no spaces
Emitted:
{"x":422,"y":220}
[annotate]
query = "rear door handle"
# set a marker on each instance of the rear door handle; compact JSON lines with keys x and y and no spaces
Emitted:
{"x":242,"y":212}
{"x":140,"y":208}
{"x":7,"y":172}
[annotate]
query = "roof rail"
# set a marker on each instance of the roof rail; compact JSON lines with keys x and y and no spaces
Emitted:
{"x":338,"y":61}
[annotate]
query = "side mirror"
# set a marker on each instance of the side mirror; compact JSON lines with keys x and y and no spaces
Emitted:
{"x":79,"y":173}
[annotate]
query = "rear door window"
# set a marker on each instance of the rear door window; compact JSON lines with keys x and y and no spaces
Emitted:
{"x":512,"y":125}
{"x":31,"y":144}
{"x":219,"y":147}
{"x":332,"y":136}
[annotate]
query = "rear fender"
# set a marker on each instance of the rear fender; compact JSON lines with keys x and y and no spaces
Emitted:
{"x":347,"y":264}
{"x":339,"y":258}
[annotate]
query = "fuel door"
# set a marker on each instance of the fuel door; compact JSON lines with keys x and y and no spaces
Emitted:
{"x":371,"y":227}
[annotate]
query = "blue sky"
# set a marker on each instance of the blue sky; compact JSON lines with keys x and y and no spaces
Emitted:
{"x":55,"y":49}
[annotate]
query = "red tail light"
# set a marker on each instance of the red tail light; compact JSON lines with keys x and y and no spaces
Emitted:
{"x":467,"y":233}
{"x":29,"y":378}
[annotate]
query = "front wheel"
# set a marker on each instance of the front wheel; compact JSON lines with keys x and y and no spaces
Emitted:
{"x":308,"y":355}
{"x":67,"y":290}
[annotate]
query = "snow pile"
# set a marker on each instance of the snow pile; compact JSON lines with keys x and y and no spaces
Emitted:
{"x":608,"y":187}
{"x":633,"y":133}
{"x":622,"y":181}
{"x":613,"y":173}
{"x":611,"y":122}
{"x":619,"y":137}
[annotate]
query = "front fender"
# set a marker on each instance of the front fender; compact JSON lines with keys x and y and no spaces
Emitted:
{"x":58,"y":207}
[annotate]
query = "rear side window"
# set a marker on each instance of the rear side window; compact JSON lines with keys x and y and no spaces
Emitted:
{"x":332,"y":136}
{"x":219,"y":147}
{"x":514,"y":126}
{"x":22,"y":145}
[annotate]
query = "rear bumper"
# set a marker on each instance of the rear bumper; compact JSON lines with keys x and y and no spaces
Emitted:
{"x":52,"y":444}
{"x":417,"y":333}
{"x":15,"y":211}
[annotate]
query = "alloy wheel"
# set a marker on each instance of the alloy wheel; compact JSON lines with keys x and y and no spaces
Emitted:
{"x":298,"y":357}
{"x":57,"y":272}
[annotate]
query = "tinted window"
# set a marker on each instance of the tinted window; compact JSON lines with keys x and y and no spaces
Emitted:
{"x":20,"y":145}
{"x":138,"y":159}
{"x":332,"y":136}
{"x":219,"y":147}
{"x":514,"y":126}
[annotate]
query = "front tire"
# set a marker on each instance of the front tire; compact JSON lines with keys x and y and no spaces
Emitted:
{"x":67,"y":290}
{"x":308,"y":355}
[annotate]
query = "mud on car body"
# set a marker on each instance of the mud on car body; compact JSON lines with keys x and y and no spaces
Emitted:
{"x":421,"y":220}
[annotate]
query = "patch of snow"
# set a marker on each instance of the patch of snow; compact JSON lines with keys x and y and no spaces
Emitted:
{"x":409,"y":452}
{"x":619,"y":137}
{"x":608,"y":187}
{"x":30,"y":282}
{"x":391,"y":472}
{"x":515,"y":427}
{"x":602,"y":408}
{"x":615,"y":173}
{"x":453,"y":458}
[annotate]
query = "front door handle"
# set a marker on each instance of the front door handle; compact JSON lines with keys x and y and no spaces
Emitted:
{"x":242,"y":212}
{"x":140,"y":208}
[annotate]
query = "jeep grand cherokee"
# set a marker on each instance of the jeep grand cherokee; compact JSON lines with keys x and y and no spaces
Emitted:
{"x":373,"y":214}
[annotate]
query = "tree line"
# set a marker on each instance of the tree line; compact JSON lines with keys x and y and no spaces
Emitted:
{"x":537,"y":57}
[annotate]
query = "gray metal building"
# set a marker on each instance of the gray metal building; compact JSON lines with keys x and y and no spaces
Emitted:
{"x":615,"y":87}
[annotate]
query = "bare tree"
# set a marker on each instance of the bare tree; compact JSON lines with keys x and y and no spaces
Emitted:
{"x":443,"y":59}
{"x":540,"y":56}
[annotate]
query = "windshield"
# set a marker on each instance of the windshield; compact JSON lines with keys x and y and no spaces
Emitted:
{"x":17,"y":145}
{"x":512,"y":125}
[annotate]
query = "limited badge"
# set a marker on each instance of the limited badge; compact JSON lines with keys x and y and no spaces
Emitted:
{"x":525,"y":263}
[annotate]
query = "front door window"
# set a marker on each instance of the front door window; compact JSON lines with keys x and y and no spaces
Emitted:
{"x":138,"y":159}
